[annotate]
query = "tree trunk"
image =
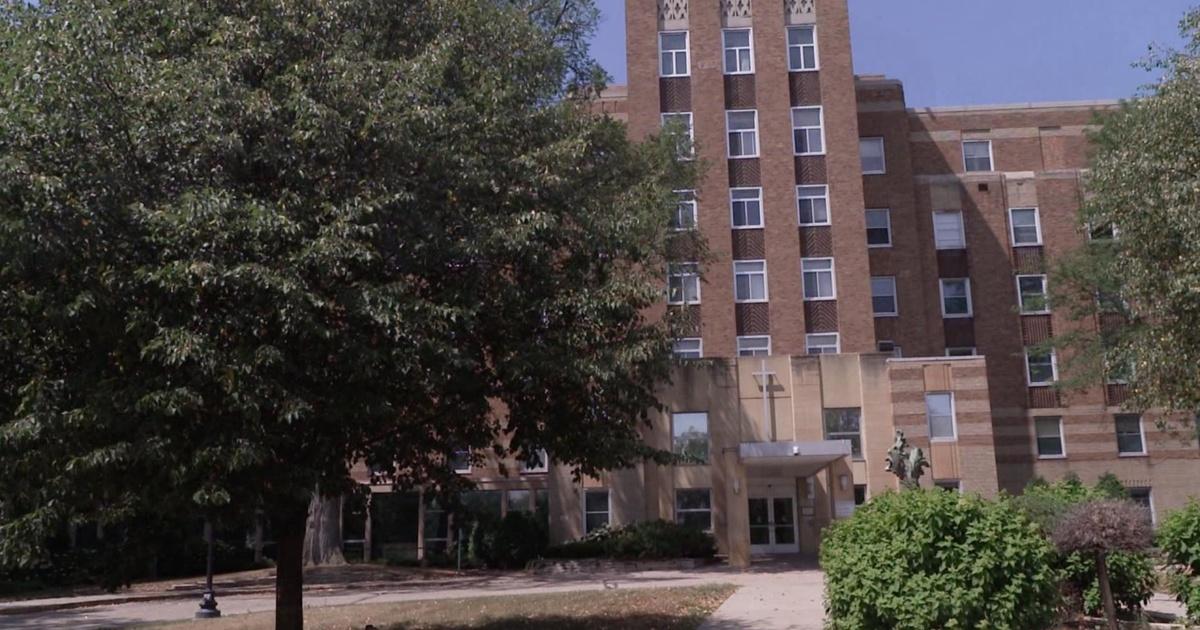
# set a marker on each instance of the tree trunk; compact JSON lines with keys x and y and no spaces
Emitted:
{"x":1110,"y":609}
{"x":289,"y":572}
{"x":323,"y":535}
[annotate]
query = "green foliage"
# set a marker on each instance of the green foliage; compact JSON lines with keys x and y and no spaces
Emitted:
{"x":1109,"y":487}
{"x":932,"y":559}
{"x":1131,"y":577}
{"x":1144,"y":180}
{"x":1179,"y":539}
{"x":507,"y":543}
{"x":644,"y":540}
{"x":245,"y":244}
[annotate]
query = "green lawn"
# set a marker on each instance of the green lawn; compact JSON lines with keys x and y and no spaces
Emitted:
{"x":631,"y":609}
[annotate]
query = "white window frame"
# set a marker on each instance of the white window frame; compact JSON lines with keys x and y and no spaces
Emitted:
{"x":887,"y":214}
{"x":806,"y":195}
{"x":970,"y":303}
{"x":675,"y":351}
{"x":466,"y":457}
{"x":534,"y":470}
{"x":733,"y":215}
{"x":678,"y":510}
{"x":686,"y":198}
{"x":832,"y":279}
{"x":736,"y":273}
{"x":1062,"y":438}
{"x":991,"y":156}
{"x":895,"y":350}
{"x":820,"y":129}
{"x":1012,"y":226}
{"x":973,"y":349}
{"x":746,"y":338}
{"x":729,"y":133}
{"x":953,"y":418}
{"x":607,"y":512}
{"x":707,"y":435}
{"x":895,"y":312}
{"x":1045,"y":294}
{"x":1141,"y":430}
{"x":1053,"y":370}
{"x":816,"y":48}
{"x":962,"y":229}
{"x":882,"y":154}
{"x":673,"y":273}
{"x":687,"y":54}
{"x":748,"y":49}
{"x":663,"y":119}
{"x":808,"y":345}
{"x":1149,"y":499}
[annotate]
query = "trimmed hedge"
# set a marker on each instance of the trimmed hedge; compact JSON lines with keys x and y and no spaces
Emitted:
{"x":645,"y":540}
{"x":1179,"y":539}
{"x":923,"y":559}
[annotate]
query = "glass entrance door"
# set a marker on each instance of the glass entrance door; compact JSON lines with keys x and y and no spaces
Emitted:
{"x":773,"y":520}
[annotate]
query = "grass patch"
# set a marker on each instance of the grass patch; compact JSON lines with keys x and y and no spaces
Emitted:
{"x":633,"y":609}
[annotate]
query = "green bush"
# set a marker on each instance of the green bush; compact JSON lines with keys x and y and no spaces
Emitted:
{"x":924,"y":559}
{"x":645,"y":540}
{"x":1179,"y":539}
{"x":507,"y":543}
{"x":1131,"y":576}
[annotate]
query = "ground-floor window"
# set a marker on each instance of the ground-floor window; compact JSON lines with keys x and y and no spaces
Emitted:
{"x":860,"y":494}
{"x":949,"y":484}
{"x":693,"y":508}
{"x":1141,"y":496}
{"x":595,"y":509}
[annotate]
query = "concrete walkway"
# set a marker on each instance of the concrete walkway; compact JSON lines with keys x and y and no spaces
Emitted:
{"x":779,"y":594}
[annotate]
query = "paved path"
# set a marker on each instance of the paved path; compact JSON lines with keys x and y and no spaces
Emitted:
{"x":778,"y":595}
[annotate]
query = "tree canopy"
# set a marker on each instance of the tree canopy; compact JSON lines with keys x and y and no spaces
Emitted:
{"x":1140,"y":271}
{"x":245,"y":243}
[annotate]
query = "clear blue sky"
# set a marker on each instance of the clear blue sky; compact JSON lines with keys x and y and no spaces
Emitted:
{"x":972,"y":52}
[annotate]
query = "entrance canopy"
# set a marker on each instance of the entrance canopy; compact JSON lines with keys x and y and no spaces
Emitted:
{"x":801,"y":458}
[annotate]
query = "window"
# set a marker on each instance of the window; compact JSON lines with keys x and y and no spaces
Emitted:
{"x":538,"y":462}
{"x":1040,"y":367}
{"x":683,"y":283}
{"x":754,"y":346}
{"x":683,"y":122}
{"x":870,"y":152}
{"x":808,"y":138}
{"x":1048,"y":431}
{"x":826,"y":343}
{"x":742,"y":126}
{"x":460,"y":462}
{"x":750,"y":281}
{"x":813,"y":204}
{"x":685,"y":211}
{"x":956,"y":297}
{"x":977,"y":155}
{"x":845,"y":424}
{"x":1130,"y":439}
{"x":689,"y":436}
{"x":693,"y":508}
{"x":746,"y":206}
{"x":1142,"y":497}
{"x":883,"y":296}
{"x":595,"y":510}
{"x":961,"y":351}
{"x":860,"y":493}
{"x":673,"y":54}
{"x":1026,"y":226}
{"x":939,"y":410}
{"x":739,"y":51}
{"x":879,"y":227}
{"x":1031,"y":293}
{"x":949,"y":485}
{"x":889,"y":347}
{"x":948,"y":230}
{"x":818,"y":278}
{"x":688,"y":348}
{"x":802,"y":48}
{"x":518,"y":501}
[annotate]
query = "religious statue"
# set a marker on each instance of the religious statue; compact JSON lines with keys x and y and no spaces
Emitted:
{"x":908,"y":465}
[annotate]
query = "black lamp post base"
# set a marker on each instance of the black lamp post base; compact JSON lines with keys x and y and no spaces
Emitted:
{"x":208,"y":607}
{"x":204,"y":613}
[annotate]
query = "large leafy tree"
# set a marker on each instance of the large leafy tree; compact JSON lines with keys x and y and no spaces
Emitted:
{"x":244,"y":243}
{"x":1139,"y":274}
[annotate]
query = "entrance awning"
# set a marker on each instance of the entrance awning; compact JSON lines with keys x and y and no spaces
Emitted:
{"x":805,"y":458}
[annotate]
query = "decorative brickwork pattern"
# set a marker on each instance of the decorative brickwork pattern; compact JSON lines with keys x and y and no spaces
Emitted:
{"x":689,"y":319}
{"x":1115,"y":394}
{"x":1029,"y":260}
{"x":1043,"y":398}
{"x":752,"y":319}
{"x":959,"y":332}
{"x":744,"y":172}
{"x":805,"y":88}
{"x":816,"y":242}
{"x":748,"y":245}
{"x":810,"y":169}
{"x":735,"y":8}
{"x":821,"y":317}
{"x":739,"y":91}
{"x":885,"y":328}
{"x":1110,"y":322}
{"x":675,"y":94}
{"x":683,"y":248}
{"x":672,"y":10}
{"x":796,"y":8}
{"x":1036,"y":329}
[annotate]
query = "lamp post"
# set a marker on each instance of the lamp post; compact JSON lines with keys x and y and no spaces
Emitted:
{"x":208,"y":603}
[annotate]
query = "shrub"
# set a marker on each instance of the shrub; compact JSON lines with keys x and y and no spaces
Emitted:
{"x":924,"y":559}
{"x":645,"y":540}
{"x":507,"y":543}
{"x":1098,"y":529}
{"x":1179,"y":539}
{"x":1131,"y":576}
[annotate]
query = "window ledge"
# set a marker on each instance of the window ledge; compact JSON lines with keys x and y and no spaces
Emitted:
{"x":822,"y":153}
{"x":1023,"y":313}
{"x":1133,"y":454}
{"x":746,"y":227}
{"x":886,"y":315}
{"x":888,"y":246}
{"x":967,"y":316}
{"x":944,"y":440}
{"x":821,"y":299}
{"x":742,"y":157}
{"x":1051,"y":457}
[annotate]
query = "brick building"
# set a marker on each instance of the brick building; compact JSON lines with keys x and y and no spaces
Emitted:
{"x":906,"y":248}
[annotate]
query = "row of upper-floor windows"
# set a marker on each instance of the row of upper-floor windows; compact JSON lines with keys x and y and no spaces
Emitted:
{"x":742,"y":132}
{"x":977,"y":156}
{"x":758,"y":345}
{"x":737,"y":44}
{"x":750,"y":281}
{"x":746,"y":208}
